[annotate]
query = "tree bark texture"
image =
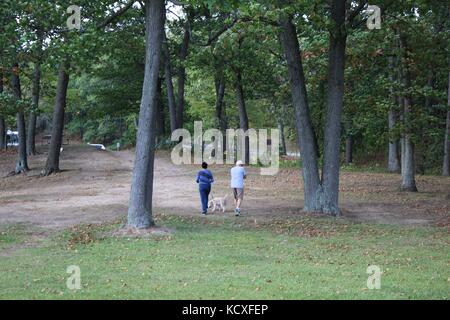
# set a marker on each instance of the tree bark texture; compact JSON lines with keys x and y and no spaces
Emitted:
{"x":140,"y":204}
{"x":22,"y":161}
{"x":54,"y":151}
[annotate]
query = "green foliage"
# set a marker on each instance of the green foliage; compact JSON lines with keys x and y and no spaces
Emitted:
{"x":227,"y":37}
{"x":9,"y":105}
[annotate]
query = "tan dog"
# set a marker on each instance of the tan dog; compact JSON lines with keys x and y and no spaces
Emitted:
{"x":219,"y":203}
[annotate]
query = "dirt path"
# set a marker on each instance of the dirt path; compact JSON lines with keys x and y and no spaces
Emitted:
{"x":95,"y":187}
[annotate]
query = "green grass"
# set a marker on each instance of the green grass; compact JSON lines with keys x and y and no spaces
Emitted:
{"x":12,"y":234}
{"x":367,"y":168}
{"x":227,"y":258}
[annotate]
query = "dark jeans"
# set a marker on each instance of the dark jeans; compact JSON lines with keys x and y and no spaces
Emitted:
{"x":204,"y":189}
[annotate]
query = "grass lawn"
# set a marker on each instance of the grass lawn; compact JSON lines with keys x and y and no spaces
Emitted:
{"x":302,"y":257}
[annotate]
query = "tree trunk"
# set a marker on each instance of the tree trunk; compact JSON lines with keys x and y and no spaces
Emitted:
{"x":31,"y":145}
{"x":408,"y":167}
{"x":169,"y":86}
{"x":393,"y":161}
{"x":422,"y":150}
{"x":2,"y":134}
{"x":220,"y":109}
{"x":446,"y":164}
{"x":220,"y":112}
{"x":243,"y":117}
{"x":35,"y":91}
{"x":21,"y":163}
{"x":182,"y":72}
{"x":283,"y":150}
{"x":2,"y":121}
{"x":159,"y":112}
{"x":335,"y":101}
{"x":305,"y":131}
{"x":52,"y":164}
{"x":320,"y":196}
{"x":140,"y":204}
{"x":349,"y":150}
{"x":348,"y":141}
{"x":402,"y":135}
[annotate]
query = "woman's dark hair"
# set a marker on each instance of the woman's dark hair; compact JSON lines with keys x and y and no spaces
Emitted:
{"x":204,"y":165}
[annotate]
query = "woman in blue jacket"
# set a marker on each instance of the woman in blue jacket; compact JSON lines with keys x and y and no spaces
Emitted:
{"x":204,"y":180}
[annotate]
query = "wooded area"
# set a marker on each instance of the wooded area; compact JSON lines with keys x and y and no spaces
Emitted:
{"x":317,"y":60}
{"x":359,"y":99}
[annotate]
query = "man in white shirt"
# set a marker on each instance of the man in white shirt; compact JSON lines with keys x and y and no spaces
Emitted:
{"x":238,"y":175}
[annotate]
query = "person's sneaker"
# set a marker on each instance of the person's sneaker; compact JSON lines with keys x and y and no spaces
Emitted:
{"x":203,"y":213}
{"x":237,"y":212}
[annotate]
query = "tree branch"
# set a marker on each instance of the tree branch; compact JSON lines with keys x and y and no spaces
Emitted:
{"x":176,"y":15}
{"x":116,"y":14}
{"x":356,"y":11}
{"x":278,"y":56}
{"x":261,"y":19}
{"x":219,"y":33}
